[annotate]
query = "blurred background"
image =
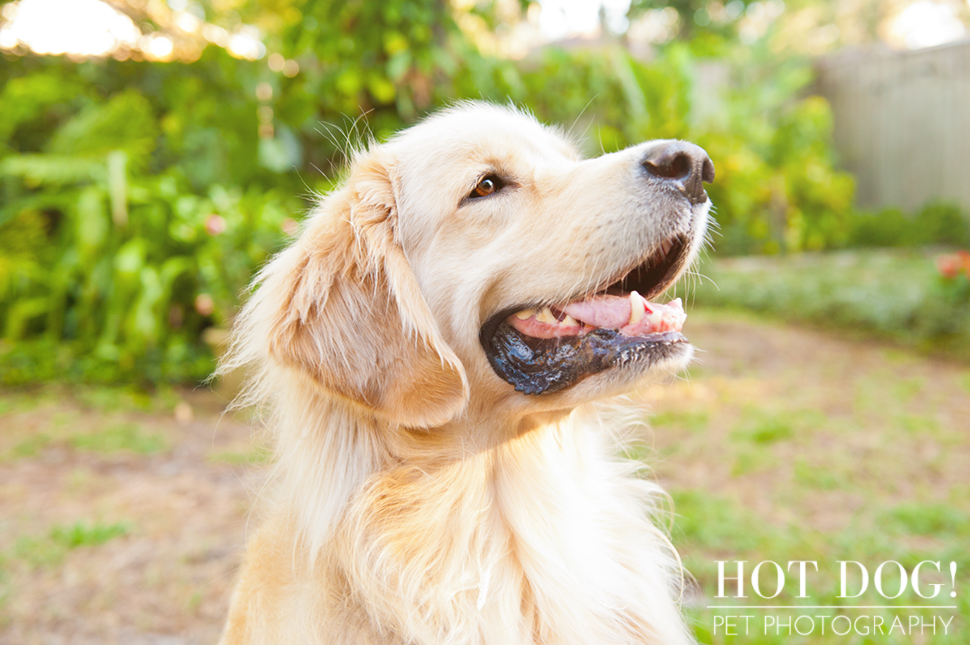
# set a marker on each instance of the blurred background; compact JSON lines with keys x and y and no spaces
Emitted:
{"x":154,"y":153}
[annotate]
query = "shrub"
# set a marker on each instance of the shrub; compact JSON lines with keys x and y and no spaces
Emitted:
{"x":777,"y":189}
{"x":137,"y":199}
{"x":93,"y":291}
{"x":936,"y":223}
{"x":896,"y":294}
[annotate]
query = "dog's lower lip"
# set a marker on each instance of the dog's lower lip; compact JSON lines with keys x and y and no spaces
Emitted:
{"x":544,"y":366}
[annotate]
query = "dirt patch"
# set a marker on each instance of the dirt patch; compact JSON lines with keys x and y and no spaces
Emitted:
{"x":179,"y":491}
{"x":800,"y":418}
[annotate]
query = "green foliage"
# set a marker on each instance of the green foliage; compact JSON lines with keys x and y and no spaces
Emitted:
{"x":125,"y":122}
{"x":776,"y":190}
{"x":137,"y":199}
{"x":383,"y":56}
{"x":110,"y":265}
{"x":936,"y":223}
{"x":134,"y":281}
{"x":701,"y":22}
{"x":894,"y":294}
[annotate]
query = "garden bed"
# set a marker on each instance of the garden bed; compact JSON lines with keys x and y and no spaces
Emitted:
{"x":897,"y":295}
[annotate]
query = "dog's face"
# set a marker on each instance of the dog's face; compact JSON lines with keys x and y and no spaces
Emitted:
{"x":513,"y":270}
{"x":504,"y":224}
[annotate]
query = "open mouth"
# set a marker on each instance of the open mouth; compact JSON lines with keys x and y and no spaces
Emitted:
{"x":544,"y":349}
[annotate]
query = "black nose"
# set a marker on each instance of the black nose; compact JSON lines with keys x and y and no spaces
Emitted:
{"x":683,"y":163}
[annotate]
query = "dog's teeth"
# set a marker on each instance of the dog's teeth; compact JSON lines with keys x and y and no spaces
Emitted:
{"x":525,"y":314}
{"x":570,"y":321}
{"x":545,"y":316}
{"x":637,"y":307}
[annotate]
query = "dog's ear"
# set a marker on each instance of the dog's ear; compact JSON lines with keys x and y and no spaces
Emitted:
{"x":350,"y":315}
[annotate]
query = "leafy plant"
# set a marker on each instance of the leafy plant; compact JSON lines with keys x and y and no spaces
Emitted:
{"x":137,"y":199}
{"x":892,"y":294}
{"x":110,"y":269}
{"x":131,"y":286}
{"x":777,"y":189}
{"x":936,"y":223}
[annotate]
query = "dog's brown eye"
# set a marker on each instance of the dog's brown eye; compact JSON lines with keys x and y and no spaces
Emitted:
{"x":486,"y":186}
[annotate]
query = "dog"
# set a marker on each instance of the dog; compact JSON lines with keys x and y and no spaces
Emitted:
{"x":430,"y":351}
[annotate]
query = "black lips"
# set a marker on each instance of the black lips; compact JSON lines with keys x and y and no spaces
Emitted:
{"x":546,"y":365}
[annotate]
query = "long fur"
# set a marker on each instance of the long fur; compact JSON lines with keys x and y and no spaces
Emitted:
{"x":412,"y":500}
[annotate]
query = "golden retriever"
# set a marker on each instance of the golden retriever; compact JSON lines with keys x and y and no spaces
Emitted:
{"x":429,"y":350}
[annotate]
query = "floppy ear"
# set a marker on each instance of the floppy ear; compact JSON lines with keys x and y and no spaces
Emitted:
{"x":350,"y":313}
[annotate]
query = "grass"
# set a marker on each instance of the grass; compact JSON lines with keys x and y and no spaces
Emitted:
{"x":762,"y":428}
{"x":691,"y":421}
{"x":90,"y":418}
{"x":92,"y":453}
{"x":256,"y":456}
{"x":757,"y":429}
{"x":893,"y":294}
{"x":122,"y":437}
{"x":789,"y":446}
{"x":125,"y":437}
{"x":927,"y":519}
{"x":717,"y":523}
{"x":50,"y":549}
{"x":715,"y":528}
{"x":30,"y":447}
{"x":813,"y":477}
{"x":101,"y":398}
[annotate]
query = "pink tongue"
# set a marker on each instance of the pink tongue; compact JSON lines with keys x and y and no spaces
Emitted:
{"x":607,"y":311}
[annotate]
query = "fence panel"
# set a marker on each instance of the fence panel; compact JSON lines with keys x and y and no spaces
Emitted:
{"x":902,"y":123}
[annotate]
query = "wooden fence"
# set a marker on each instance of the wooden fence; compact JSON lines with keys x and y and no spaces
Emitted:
{"x":902,"y":123}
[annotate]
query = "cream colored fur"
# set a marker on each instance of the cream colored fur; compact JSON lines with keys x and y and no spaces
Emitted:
{"x":417,"y":498}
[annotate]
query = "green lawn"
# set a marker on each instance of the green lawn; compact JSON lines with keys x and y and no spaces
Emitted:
{"x":786,"y":445}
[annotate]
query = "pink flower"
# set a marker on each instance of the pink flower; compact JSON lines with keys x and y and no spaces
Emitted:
{"x":948,"y":266}
{"x":215,"y":224}
{"x":204,"y":304}
{"x":965,"y":261}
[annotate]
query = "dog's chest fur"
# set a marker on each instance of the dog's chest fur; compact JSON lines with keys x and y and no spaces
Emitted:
{"x":540,"y":538}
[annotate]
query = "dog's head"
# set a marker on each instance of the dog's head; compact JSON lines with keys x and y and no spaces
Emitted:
{"x":478,"y":252}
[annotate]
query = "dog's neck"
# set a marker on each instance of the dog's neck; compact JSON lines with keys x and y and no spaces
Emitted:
{"x":540,"y":534}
